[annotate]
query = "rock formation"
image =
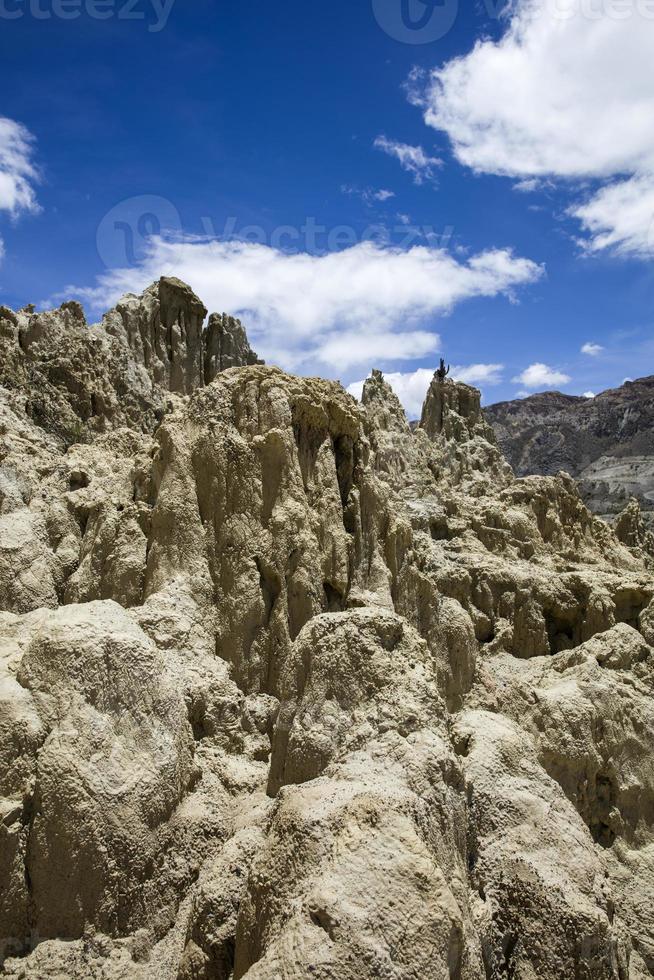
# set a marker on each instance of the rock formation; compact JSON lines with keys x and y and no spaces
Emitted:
{"x":289,"y":690}
{"x":606,"y":442}
{"x":79,"y":381}
{"x":226,"y":346}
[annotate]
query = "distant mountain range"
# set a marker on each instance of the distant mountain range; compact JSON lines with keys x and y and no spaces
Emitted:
{"x":606,"y":442}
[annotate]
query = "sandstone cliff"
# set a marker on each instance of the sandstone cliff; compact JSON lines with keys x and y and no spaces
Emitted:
{"x":606,"y":442}
{"x":287,"y":690}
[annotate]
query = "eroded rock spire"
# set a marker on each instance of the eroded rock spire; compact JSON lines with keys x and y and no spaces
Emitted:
{"x":82,"y":379}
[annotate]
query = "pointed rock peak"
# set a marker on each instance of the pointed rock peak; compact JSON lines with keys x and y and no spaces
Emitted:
{"x":383,"y":407}
{"x":225,"y":346}
{"x":452,"y":419}
{"x":448,"y":401}
{"x":163,"y":329}
{"x":177,"y":297}
{"x":74,"y":311}
{"x":376,"y":387}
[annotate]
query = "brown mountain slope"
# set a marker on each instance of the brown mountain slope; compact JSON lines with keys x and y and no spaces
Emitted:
{"x":606,"y":442}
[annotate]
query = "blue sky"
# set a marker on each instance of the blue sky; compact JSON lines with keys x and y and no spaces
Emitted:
{"x":254,"y":148}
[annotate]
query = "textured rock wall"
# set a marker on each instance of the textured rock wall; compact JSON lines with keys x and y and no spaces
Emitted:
{"x":289,"y":690}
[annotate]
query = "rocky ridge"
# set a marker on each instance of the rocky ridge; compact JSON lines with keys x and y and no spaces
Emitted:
{"x":80,"y":381}
{"x":290,"y":690}
{"x":606,"y":443}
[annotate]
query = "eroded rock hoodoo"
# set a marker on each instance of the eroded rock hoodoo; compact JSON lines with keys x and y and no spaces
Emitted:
{"x":290,"y":690}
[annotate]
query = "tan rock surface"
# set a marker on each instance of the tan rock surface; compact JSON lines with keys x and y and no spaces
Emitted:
{"x":288,"y":689}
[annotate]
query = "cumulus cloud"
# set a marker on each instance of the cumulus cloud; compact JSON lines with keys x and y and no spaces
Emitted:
{"x":560,"y":94}
{"x":344,"y":349}
{"x":411,"y":387}
{"x":541,"y":376}
{"x":567,"y":92}
{"x":328,"y":312}
{"x":413,"y":159}
{"x":620,"y":217}
{"x":593,"y":350}
{"x":476,"y":374}
{"x":589,"y":394}
{"x":18,"y":174}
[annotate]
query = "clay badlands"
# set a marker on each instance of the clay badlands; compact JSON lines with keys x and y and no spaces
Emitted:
{"x":290,"y":690}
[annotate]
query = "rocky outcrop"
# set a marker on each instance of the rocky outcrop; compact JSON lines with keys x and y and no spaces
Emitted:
{"x":162,"y":329}
{"x":79,"y":380}
{"x":606,"y":442}
{"x":289,"y":689}
{"x":631,"y":529}
{"x":453,"y":421}
{"x":359,"y":752}
{"x":225,"y":346}
{"x":105,"y":760}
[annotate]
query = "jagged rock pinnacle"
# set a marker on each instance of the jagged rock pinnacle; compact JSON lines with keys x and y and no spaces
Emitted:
{"x":119,"y":372}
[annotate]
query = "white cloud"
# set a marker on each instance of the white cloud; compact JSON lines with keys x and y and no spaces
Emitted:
{"x":560,"y":94}
{"x":541,"y":376}
{"x":589,"y":394}
{"x":333,"y":311}
{"x":348,"y":348}
{"x":18,"y":173}
{"x":567,"y":92}
{"x":592,"y":349}
{"x":474,"y":374}
{"x":620,"y":217}
{"x":368,"y":194}
{"x":528,"y":185}
{"x":413,"y":159}
{"x":411,"y":387}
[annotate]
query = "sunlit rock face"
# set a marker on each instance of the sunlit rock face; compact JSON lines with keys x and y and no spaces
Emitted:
{"x":288,"y":689}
